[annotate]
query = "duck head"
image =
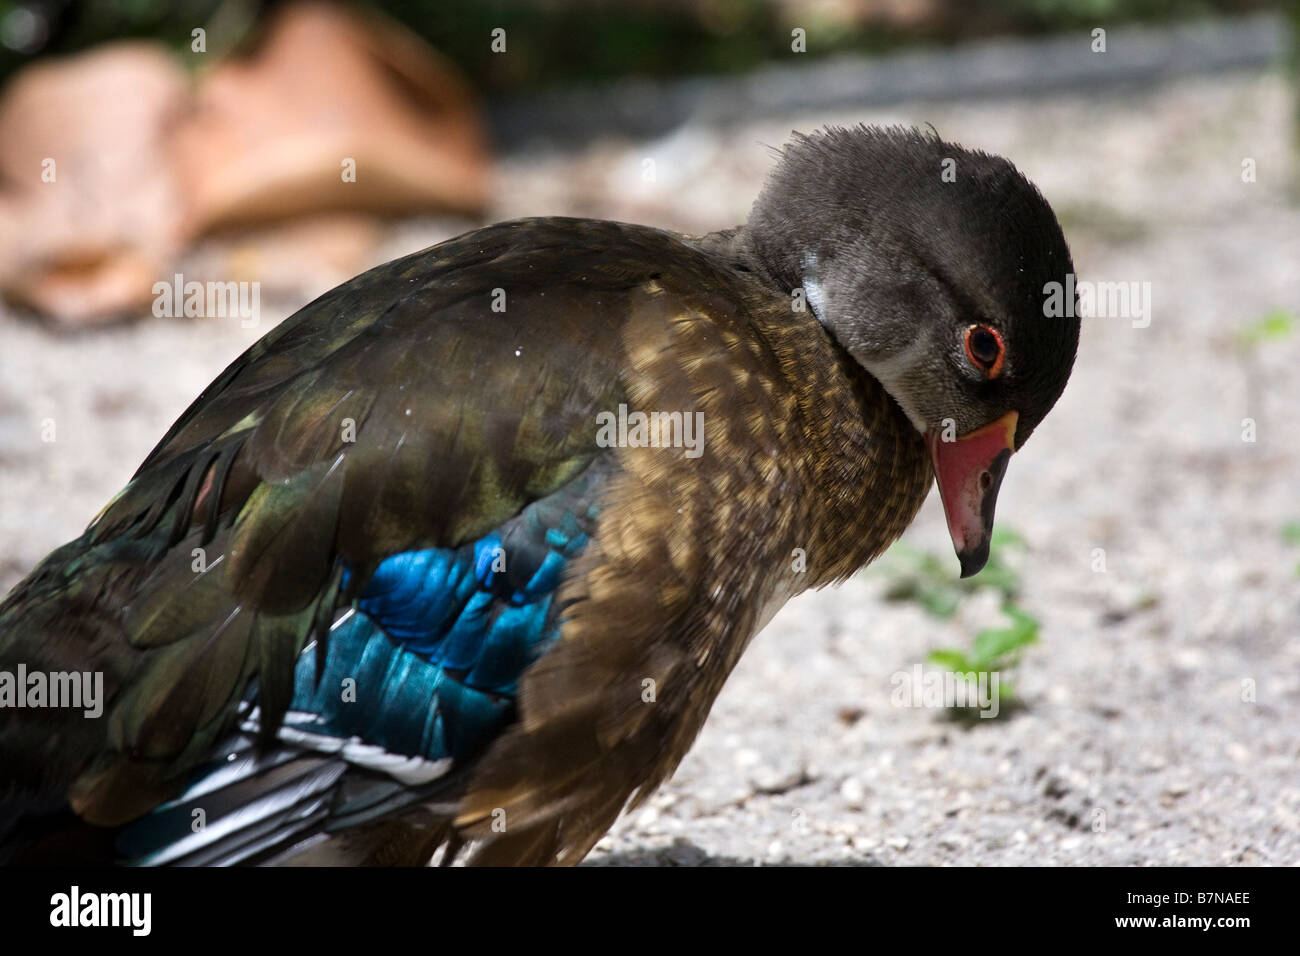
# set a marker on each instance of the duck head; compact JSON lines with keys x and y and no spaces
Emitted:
{"x":929,"y":263}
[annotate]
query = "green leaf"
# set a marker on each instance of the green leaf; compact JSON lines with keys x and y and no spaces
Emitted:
{"x":992,"y":644}
{"x":1276,"y":325}
{"x":939,"y":602}
{"x":949,"y":659}
{"x":929,"y":580}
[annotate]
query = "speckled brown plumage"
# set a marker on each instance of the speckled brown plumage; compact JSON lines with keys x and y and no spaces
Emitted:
{"x":804,"y":451}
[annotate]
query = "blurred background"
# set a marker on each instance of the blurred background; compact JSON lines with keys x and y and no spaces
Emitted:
{"x":175,"y":178}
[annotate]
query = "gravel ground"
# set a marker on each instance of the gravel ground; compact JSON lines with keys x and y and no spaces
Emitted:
{"x":1135,"y":746}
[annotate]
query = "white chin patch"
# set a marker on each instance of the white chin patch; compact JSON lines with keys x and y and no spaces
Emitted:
{"x":888,"y":372}
{"x":812,"y":288}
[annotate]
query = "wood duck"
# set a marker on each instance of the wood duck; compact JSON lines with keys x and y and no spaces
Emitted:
{"x":437,"y":567}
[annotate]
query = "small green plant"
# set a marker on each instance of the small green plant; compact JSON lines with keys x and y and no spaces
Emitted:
{"x":927,"y":580}
{"x":996,"y":649}
{"x":1291,"y":535}
{"x":1276,"y":325}
{"x":1250,"y":341}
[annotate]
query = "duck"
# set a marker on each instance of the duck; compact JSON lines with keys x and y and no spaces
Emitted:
{"x":452,"y":564}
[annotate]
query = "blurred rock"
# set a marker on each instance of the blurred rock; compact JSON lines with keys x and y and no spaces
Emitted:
{"x":112,"y":162}
{"x":272,"y":133}
{"x":89,"y":208}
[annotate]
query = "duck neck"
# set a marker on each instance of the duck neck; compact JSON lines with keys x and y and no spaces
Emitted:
{"x":865,"y":468}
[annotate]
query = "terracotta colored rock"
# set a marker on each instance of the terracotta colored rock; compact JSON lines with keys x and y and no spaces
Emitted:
{"x":111,"y":162}
{"x":272,"y":133}
{"x":89,"y":211}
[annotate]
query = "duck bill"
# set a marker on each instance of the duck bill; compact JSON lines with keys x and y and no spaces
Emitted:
{"x":969,"y":471}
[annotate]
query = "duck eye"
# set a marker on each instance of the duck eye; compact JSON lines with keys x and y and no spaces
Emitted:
{"x":984,"y":349}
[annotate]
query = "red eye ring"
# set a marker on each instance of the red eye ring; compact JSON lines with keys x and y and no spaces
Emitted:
{"x":985,"y":350}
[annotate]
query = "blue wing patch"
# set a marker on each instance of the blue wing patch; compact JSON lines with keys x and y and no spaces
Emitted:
{"x":419,"y":676}
{"x":440,"y":637}
{"x":429,"y":663}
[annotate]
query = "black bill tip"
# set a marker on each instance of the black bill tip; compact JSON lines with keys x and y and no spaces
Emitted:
{"x":973,"y":561}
